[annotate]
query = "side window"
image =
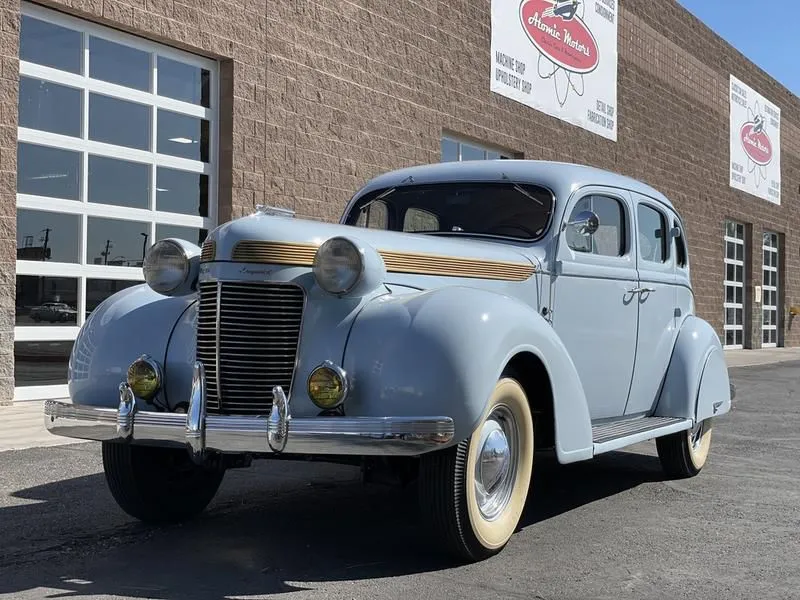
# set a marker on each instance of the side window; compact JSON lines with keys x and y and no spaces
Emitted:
{"x":609,"y":239}
{"x":376,"y":216}
{"x":652,"y":234}
{"x":680,"y":247}
{"x":420,"y":220}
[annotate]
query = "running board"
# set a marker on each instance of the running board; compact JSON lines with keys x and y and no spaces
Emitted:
{"x":619,"y":434}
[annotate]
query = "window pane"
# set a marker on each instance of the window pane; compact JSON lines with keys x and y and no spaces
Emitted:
{"x":49,"y":107}
{"x":51,"y":172}
{"x":472,"y":153}
{"x":730,"y":229}
{"x":46,"y":300}
{"x":652,"y":234}
{"x":740,"y":273}
{"x":48,"y":236}
{"x":420,"y":220}
{"x":376,"y":216}
{"x":728,"y":293}
{"x":41,"y":363}
{"x":115,"y":63}
{"x":119,"y":122}
{"x":729,"y":339}
{"x":449,"y":150}
{"x":183,"y":82}
{"x":609,"y":240}
{"x":98,"y":290}
{"x":739,"y":295}
{"x":730,"y":315}
{"x":181,"y":192}
{"x":190,"y":234}
{"x":115,"y":242}
{"x":119,"y":182}
{"x":739,"y":251}
{"x":183,"y":136}
{"x":50,"y":45}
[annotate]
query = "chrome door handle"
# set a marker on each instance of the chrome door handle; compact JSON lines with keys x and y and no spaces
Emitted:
{"x":641,"y":290}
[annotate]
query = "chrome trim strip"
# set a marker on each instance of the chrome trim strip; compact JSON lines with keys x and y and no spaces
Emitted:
{"x":365,"y":436}
{"x":217,"y":324}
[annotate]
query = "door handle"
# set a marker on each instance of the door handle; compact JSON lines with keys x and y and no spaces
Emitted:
{"x":641,"y":290}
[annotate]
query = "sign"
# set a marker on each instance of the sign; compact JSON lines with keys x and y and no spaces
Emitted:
{"x":558,"y":57}
{"x":755,"y":143}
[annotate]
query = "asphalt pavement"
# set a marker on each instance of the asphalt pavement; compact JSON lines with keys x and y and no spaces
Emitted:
{"x":610,"y":528}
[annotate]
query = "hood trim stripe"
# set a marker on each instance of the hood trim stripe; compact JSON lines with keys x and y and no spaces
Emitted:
{"x":416,"y":263}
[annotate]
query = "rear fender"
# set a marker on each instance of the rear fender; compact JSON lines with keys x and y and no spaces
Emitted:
{"x":697,"y":385}
{"x":441,"y":352}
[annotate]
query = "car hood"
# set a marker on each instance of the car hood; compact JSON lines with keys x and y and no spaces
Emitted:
{"x":270,"y":239}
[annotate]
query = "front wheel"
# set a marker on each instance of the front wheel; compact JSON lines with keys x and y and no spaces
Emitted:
{"x":473,"y":494}
{"x":158,"y":485}
{"x":683,"y":454}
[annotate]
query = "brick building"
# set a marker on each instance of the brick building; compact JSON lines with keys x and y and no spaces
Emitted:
{"x":124,"y":121}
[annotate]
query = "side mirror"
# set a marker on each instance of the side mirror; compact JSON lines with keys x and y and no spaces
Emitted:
{"x":586,"y":223}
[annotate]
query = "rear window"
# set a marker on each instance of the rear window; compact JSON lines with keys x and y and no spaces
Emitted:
{"x":502,"y":209}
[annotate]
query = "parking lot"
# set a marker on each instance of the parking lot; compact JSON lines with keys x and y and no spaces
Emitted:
{"x":609,"y":528}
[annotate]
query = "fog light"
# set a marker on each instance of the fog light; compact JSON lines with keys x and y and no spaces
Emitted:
{"x":327,"y":385}
{"x":144,"y":377}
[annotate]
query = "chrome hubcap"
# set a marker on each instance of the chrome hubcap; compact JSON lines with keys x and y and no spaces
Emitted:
{"x":496,"y":466}
{"x":696,"y":435}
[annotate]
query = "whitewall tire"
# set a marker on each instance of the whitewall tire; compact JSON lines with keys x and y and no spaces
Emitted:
{"x":473,"y":494}
{"x":685,"y":453}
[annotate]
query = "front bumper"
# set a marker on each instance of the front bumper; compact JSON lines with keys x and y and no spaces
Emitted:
{"x":276,"y":433}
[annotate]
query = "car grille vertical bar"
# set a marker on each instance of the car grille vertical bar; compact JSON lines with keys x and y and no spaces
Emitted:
{"x":247,"y":338}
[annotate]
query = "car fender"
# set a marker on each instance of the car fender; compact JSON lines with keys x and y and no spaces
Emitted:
{"x":440,"y":353}
{"x":696,"y":385}
{"x":132,"y":322}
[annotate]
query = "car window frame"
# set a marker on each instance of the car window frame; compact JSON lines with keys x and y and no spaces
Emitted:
{"x":626,"y":260}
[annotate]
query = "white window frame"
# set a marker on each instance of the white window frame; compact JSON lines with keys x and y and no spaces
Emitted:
{"x":486,"y":148}
{"x":772,"y":249}
{"x":82,"y":207}
{"x":735,"y":284}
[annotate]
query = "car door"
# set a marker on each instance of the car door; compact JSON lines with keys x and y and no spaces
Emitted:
{"x":594,"y":311}
{"x":656,"y":301}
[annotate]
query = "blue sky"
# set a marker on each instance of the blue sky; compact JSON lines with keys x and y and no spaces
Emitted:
{"x":767,"y":33}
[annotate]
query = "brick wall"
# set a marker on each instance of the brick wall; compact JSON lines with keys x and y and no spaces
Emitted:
{"x":318,"y":96}
{"x":9,"y":84}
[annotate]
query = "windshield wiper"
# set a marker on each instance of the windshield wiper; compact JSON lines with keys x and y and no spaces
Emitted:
{"x":380,"y":196}
{"x":522,"y":191}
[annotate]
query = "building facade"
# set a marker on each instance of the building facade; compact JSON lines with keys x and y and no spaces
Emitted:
{"x":125,"y":121}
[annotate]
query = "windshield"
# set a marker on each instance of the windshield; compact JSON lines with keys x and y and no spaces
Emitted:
{"x":504,"y":209}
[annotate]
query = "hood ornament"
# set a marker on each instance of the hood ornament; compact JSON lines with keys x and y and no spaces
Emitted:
{"x":263,"y":209}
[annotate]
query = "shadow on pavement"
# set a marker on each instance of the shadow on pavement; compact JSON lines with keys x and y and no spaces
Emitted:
{"x":255,"y":540}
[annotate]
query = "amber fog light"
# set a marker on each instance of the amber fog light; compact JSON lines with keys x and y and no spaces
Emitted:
{"x":327,"y":385}
{"x":144,"y":377}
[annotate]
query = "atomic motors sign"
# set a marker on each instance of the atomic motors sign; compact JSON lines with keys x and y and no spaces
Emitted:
{"x":755,"y":143}
{"x":558,"y":57}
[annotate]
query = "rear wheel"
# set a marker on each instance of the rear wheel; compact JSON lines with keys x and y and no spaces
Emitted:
{"x":473,"y":494}
{"x":684,"y":454}
{"x":158,"y":485}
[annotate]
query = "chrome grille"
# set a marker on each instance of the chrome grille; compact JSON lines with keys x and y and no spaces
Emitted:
{"x":247,"y":337}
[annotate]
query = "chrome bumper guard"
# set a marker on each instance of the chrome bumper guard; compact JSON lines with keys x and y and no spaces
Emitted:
{"x":277,"y":433}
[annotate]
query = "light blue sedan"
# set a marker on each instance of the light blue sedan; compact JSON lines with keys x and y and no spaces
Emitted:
{"x":461,"y":318}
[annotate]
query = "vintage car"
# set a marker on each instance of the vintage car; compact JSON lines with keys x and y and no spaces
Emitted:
{"x":460,"y":319}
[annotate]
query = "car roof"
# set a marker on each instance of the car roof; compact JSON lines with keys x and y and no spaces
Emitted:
{"x":560,"y":177}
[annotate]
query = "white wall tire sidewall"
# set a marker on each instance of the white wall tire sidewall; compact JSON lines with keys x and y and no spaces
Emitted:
{"x":495,"y":534}
{"x":699,"y":455}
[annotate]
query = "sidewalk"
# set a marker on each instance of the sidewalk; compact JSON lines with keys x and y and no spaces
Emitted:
{"x":22,"y":425}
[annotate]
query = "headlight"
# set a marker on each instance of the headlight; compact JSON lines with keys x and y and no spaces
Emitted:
{"x":338,"y":266}
{"x":144,"y":377}
{"x":166,"y":266}
{"x":327,"y":385}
